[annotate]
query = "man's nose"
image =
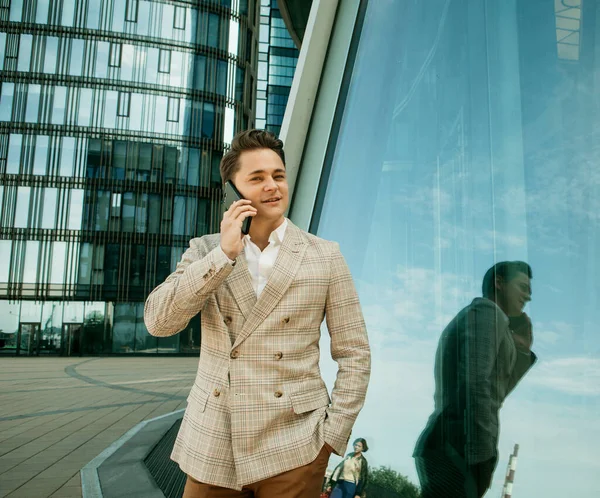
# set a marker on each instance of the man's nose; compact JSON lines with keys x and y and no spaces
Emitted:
{"x":270,"y":184}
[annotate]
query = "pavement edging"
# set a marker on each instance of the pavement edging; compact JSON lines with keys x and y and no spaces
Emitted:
{"x":90,"y":479}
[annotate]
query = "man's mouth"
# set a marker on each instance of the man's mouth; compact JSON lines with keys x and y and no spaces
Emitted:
{"x":272,"y":200}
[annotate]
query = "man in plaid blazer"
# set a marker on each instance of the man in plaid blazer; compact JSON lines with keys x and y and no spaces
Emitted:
{"x":481,"y":356}
{"x":260,"y":421}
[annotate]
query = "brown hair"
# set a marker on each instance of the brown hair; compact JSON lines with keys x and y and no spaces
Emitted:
{"x":507,"y":270}
{"x":245,"y":141}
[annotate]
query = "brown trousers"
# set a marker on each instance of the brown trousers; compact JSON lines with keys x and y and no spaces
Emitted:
{"x":303,"y":482}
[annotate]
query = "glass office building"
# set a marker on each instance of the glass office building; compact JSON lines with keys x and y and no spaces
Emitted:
{"x":448,"y":135}
{"x":114,"y":115}
{"x":277,"y":59}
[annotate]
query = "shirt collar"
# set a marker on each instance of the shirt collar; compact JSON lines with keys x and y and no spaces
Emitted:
{"x":276,"y":236}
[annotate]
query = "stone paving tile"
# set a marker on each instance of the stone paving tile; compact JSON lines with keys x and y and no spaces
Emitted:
{"x":64,"y":412}
{"x":8,"y":485}
{"x":67,"y":492}
{"x":36,"y":487}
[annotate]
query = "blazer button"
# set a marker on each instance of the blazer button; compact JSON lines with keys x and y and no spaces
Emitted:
{"x":278,"y":355}
{"x":278,"y":394}
{"x":234,"y":354}
{"x":216,"y":393}
{"x":227,"y":320}
{"x":285,"y":320}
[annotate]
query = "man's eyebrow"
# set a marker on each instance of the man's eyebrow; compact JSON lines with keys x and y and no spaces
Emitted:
{"x":261,"y":171}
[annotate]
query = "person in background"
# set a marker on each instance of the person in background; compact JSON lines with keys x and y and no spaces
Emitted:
{"x":482,"y":354}
{"x":350,"y":477}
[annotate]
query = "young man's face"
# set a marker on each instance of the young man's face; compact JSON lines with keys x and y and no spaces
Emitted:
{"x":262,"y":180}
{"x":514,"y":294}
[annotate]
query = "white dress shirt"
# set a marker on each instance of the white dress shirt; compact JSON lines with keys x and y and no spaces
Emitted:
{"x":260,"y":263}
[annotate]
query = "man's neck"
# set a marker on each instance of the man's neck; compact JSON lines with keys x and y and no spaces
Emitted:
{"x":260,"y":231}
{"x":499,"y":304}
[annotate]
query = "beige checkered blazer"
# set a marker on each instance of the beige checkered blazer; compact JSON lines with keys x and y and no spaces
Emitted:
{"x":259,"y":406}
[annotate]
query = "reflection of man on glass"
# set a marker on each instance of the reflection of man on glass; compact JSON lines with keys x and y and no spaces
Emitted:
{"x":482,"y":354}
{"x":259,"y":420}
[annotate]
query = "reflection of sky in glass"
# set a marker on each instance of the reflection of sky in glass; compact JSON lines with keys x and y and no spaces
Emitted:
{"x":68,"y":13}
{"x":478,"y":144}
{"x":2,"y":49}
{"x":30,"y":266}
{"x":50,"y":54}
{"x":67,"y":156}
{"x":33,"y":104}
{"x":22,"y":209}
{"x":13,"y":160}
{"x":75,"y":209}
{"x":49,"y":208}
{"x":102,"y":55}
{"x":93,"y":14}
{"x":6,"y":101}
{"x":16,"y":10}
{"x":41,"y":14}
{"x":127,"y":60}
{"x":25,"y":48}
{"x":59,"y":255}
{"x":76,"y":63}
{"x":5,"y":252}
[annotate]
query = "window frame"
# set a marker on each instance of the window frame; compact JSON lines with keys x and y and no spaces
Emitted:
{"x":124,"y":100}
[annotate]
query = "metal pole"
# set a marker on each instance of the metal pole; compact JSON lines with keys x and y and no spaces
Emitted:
{"x":510,"y":474}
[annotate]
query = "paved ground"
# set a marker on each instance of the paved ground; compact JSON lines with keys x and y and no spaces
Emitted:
{"x":57,"y":414}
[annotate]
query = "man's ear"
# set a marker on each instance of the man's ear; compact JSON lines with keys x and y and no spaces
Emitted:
{"x":498,"y":283}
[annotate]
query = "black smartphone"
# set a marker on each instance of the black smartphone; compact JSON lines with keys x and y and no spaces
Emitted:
{"x":231,"y":195}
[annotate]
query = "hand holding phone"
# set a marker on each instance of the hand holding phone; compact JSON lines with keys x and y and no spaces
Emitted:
{"x":522,"y":331}
{"x":236,"y":221}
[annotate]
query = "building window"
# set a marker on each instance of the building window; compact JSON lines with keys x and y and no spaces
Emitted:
{"x":123,"y":105}
{"x":568,"y":29}
{"x":115,"y":207}
{"x":164,"y":61}
{"x":179,"y":19}
{"x":131,"y":10}
{"x":115,"y":55}
{"x":213,"y":30}
{"x":173,"y":110}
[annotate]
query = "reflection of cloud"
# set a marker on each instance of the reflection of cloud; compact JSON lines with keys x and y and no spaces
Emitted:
{"x":551,"y":333}
{"x":418,"y":304}
{"x":578,"y":376}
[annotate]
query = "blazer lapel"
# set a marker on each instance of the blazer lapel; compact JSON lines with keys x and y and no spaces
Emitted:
{"x":286,"y":266}
{"x":240,"y":285}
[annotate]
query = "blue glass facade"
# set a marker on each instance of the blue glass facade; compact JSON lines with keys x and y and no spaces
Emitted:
{"x":278,"y":56}
{"x":114,"y":116}
{"x":467,"y":134}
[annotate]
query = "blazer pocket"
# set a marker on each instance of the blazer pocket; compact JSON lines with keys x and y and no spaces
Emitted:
{"x":199,"y":397}
{"x":309,"y":400}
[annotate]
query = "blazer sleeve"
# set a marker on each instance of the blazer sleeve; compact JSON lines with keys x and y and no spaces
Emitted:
{"x":350,"y":349}
{"x":522,"y":365}
{"x":171,"y":306}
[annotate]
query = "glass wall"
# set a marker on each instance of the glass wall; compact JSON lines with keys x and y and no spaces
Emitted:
{"x":467,"y":134}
